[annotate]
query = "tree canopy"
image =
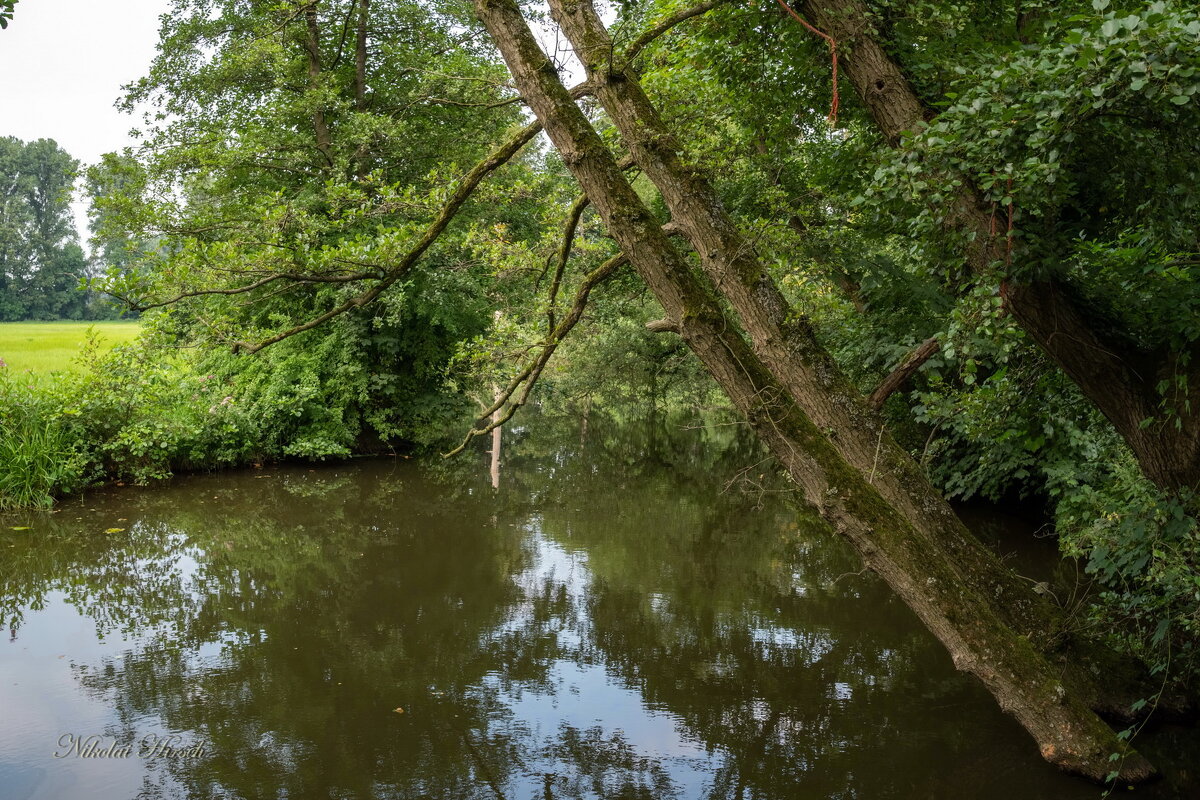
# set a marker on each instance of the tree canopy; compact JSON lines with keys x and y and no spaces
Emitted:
{"x":41,"y":262}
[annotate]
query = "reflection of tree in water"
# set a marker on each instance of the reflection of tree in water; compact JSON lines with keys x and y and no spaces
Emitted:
{"x":103,"y":575}
{"x":282,"y":620}
{"x":762,"y":637}
{"x":603,"y":764}
{"x":330,"y":612}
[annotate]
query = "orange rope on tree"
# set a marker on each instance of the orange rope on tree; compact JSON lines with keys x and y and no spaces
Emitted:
{"x":832,"y":52}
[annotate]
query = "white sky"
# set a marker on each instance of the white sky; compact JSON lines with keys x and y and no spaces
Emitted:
{"x":62,"y":65}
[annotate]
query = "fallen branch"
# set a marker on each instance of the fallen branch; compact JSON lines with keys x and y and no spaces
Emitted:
{"x":901,"y":374}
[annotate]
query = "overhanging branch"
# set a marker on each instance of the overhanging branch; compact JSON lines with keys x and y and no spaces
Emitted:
{"x":901,"y":374}
{"x":564,"y":254}
{"x":639,"y":44}
{"x":293,"y":276}
{"x":525,"y":380}
{"x":500,"y":156}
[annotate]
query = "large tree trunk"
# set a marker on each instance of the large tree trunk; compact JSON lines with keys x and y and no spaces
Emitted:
{"x":922,"y":570}
{"x":788,"y":346}
{"x":1121,"y":381}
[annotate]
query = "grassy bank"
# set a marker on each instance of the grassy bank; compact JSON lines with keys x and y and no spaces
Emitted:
{"x":45,"y":347}
{"x":139,"y":412}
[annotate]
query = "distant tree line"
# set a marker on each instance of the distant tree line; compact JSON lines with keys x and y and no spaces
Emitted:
{"x":42,"y":265}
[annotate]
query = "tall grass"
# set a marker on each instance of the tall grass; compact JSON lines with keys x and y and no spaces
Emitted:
{"x":37,"y":459}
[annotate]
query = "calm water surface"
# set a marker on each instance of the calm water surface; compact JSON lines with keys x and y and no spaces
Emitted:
{"x":632,"y":614}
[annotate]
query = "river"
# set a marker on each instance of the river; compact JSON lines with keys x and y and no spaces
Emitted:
{"x":633,"y":613}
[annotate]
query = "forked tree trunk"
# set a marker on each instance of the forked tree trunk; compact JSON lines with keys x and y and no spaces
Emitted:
{"x":1120,"y":380}
{"x":788,"y":347}
{"x":922,"y":571}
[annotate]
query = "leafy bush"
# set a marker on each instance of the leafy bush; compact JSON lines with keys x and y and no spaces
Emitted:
{"x":139,"y":412}
{"x":1144,"y":549}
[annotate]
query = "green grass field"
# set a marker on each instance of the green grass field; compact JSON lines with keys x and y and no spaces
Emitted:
{"x":46,"y":347}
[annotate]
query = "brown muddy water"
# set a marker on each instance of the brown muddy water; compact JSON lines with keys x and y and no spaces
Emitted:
{"x":632,"y":614}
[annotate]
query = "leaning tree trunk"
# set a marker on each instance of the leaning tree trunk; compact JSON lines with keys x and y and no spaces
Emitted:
{"x":1121,"y":381}
{"x":922,"y":571}
{"x":788,"y":347}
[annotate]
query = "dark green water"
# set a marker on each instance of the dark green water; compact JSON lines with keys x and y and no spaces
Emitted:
{"x":613,"y":622}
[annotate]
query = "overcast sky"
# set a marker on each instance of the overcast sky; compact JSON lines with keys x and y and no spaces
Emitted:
{"x":62,"y":65}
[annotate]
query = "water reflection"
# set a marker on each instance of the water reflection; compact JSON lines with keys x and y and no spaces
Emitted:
{"x":614,"y":622}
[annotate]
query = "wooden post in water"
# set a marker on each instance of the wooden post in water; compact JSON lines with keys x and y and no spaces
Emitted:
{"x":495,"y":469}
{"x":496,"y":417}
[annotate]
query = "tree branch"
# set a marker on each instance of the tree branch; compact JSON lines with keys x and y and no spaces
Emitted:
{"x":901,"y":374}
{"x":662,"y":326}
{"x":533,"y":370}
{"x":500,"y":156}
{"x":467,"y":186}
{"x":294,"y":276}
{"x":564,"y":254}
{"x":639,"y":44}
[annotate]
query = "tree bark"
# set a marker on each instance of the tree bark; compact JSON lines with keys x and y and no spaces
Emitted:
{"x":921,"y":570}
{"x":1121,"y":381}
{"x":901,"y":374}
{"x":312,"y":46}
